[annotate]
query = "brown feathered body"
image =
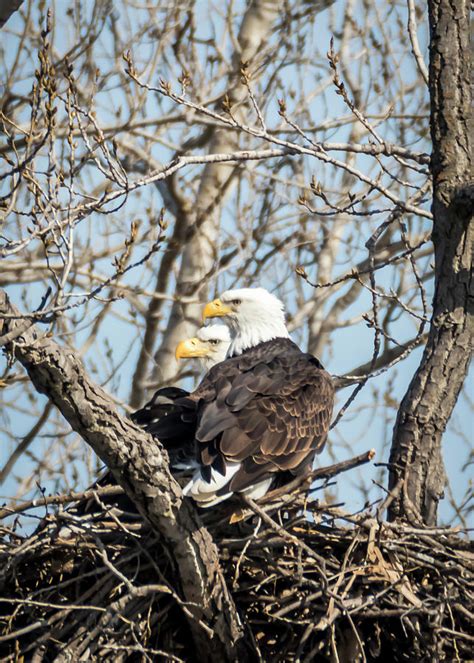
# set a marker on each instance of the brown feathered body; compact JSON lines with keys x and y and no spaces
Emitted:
{"x":173,"y":424}
{"x":262,"y":413}
{"x":257,"y":419}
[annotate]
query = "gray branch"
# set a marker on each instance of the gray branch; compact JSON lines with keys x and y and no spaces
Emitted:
{"x":140,"y":466}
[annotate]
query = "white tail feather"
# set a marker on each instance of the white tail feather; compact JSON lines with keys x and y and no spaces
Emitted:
{"x":259,"y":489}
{"x":199,"y":488}
{"x":204,"y":492}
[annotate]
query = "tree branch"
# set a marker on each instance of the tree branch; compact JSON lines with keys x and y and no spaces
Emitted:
{"x":416,"y":460}
{"x":216,"y":182}
{"x":139,"y":465}
{"x":25,"y":443}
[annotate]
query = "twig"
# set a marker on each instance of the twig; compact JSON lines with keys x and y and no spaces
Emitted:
{"x":60,"y":499}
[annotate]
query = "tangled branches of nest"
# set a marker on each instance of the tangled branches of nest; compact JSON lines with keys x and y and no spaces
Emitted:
{"x":311,"y":582}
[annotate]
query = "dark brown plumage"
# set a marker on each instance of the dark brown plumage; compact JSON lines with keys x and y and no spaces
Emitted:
{"x":268,"y":409}
{"x":174,"y":425}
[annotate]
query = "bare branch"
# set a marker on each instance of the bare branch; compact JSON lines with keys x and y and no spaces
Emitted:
{"x":138,"y":464}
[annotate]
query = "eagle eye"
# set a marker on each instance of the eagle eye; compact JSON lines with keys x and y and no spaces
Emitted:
{"x":213,"y":341}
{"x":236,"y":302}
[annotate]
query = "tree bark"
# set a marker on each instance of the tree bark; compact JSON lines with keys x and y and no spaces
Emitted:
{"x":416,"y":464}
{"x":200,"y":252}
{"x":139,"y":465}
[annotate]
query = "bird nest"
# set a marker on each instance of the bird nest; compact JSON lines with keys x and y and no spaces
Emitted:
{"x":310,"y":581}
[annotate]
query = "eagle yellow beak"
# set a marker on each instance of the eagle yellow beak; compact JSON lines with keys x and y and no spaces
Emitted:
{"x":215,"y":309}
{"x":191,"y":347}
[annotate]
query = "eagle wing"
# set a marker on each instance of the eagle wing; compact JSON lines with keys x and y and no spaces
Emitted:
{"x":171,"y":417}
{"x":270,"y":416}
{"x":161,"y":404}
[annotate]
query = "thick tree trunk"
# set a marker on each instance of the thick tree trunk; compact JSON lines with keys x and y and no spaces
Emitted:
{"x":200,"y":252}
{"x":416,"y":464}
{"x":138,"y":464}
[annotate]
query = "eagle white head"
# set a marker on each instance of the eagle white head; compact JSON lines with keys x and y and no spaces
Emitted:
{"x":253,"y":316}
{"x":210,"y":345}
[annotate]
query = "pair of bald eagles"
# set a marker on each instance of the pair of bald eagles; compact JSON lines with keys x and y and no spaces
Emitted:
{"x":259,"y":415}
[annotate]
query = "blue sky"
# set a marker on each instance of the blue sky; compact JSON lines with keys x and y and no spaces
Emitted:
{"x":363,"y":427}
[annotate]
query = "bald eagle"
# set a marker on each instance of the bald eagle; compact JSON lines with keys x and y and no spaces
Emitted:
{"x":164,"y":417}
{"x":263,"y":413}
{"x":210,"y":344}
